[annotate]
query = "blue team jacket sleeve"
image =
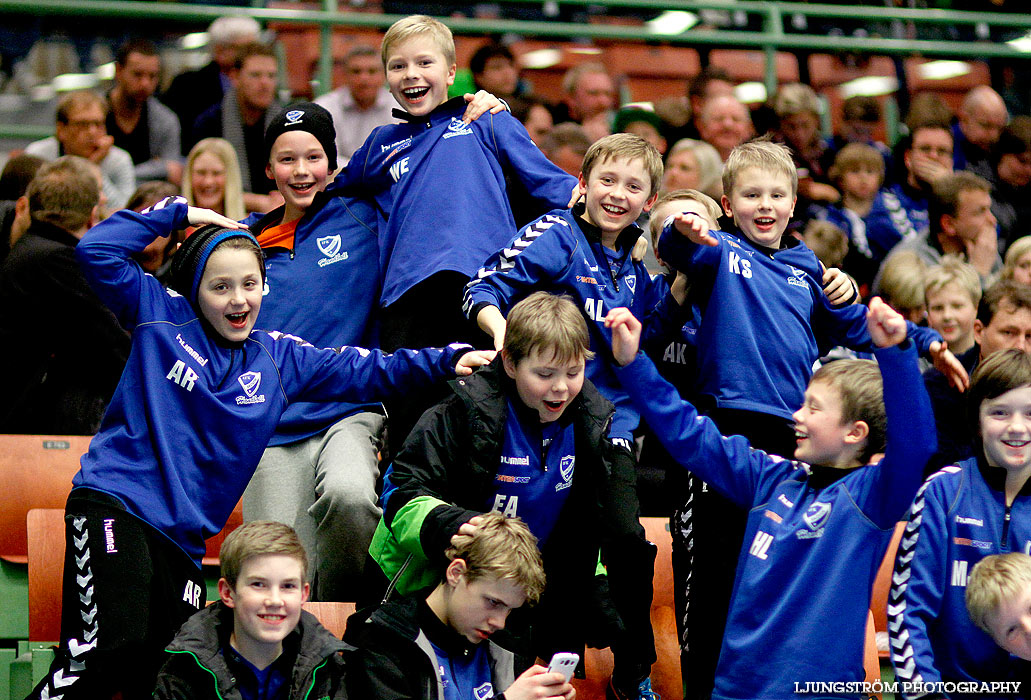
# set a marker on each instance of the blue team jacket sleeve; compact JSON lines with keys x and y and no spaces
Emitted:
{"x":357,"y":374}
{"x":105,"y":254}
{"x":911,"y":439}
{"x":536,"y":256}
{"x":700,"y":261}
{"x":918,"y":586}
{"x":846,"y":326}
{"x":727,"y":463}
{"x":545,"y":182}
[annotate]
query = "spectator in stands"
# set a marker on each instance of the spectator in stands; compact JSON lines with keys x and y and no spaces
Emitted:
{"x":212,"y":178}
{"x":710,"y":82}
{"x":241,"y":118}
{"x":724,"y":124}
{"x":860,"y":118}
{"x":1017,"y":265}
{"x":146,"y":129}
{"x":901,"y":285}
{"x":643,"y":122}
{"x":495,"y":70}
{"x":534,"y":114}
{"x":952,"y":292}
{"x":82,"y":131}
{"x":872,"y":216}
{"x":64,"y":348}
{"x":14,"y":207}
{"x":361,"y":104}
{"x":828,"y":242}
{"x":798,"y":124}
{"x":693,"y":165}
{"x":589,"y":96}
{"x":565,"y":146}
{"x":980,"y":120}
{"x":1003,"y":322}
{"x":194,"y":91}
{"x":927,"y":157}
{"x":156,"y":258}
{"x":1011,"y":191}
{"x":961,"y":223}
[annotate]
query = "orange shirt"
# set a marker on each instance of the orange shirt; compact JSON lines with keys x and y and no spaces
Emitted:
{"x":281,"y":236}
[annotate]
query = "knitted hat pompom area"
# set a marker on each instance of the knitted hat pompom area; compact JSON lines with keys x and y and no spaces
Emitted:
{"x":304,"y":116}
{"x":192,"y":257}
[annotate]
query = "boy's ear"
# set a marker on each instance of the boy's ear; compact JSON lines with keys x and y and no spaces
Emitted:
{"x":268,"y":172}
{"x":793,"y":202}
{"x":650,"y":203}
{"x":305,"y":592}
{"x":506,"y":361}
{"x":451,"y":73}
{"x":858,"y":433}
{"x":225,"y":592}
{"x":582,"y":184}
{"x":455,"y":571}
{"x":725,"y":201}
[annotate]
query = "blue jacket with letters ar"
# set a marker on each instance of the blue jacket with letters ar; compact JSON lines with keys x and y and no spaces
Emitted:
{"x":334,"y":268}
{"x":440,"y":188}
{"x":193,"y":412}
{"x":815,"y":536}
{"x":959,"y":517}
{"x":563,"y":254}
{"x":764,"y":319}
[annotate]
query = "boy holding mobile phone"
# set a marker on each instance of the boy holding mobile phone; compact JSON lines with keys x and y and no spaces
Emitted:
{"x":449,"y":644}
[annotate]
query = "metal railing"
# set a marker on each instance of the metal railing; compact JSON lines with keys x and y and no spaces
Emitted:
{"x":772,"y":38}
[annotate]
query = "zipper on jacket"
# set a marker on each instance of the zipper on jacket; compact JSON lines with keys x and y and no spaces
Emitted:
{"x":313,"y":672}
{"x":213,"y":676}
{"x":1006,"y":530}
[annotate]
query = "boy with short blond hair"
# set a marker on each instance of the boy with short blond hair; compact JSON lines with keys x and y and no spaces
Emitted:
{"x":818,"y":526}
{"x":451,"y":643}
{"x":528,"y":436}
{"x":998,"y":599}
{"x":256,"y":641}
{"x":952,"y":291}
{"x":441,"y":166}
{"x":764,"y":321}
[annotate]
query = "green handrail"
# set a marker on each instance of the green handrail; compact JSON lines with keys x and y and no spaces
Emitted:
{"x":770,"y":40}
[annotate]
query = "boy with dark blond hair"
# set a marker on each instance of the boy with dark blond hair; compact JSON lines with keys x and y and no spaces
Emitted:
{"x":256,"y":641}
{"x":998,"y":600}
{"x":450,"y":643}
{"x":818,"y":526}
{"x":528,"y":437}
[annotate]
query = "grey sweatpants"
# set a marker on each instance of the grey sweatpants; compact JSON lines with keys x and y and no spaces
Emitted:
{"x":325,"y":488}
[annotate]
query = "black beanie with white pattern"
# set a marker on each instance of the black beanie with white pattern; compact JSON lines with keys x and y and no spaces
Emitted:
{"x":304,"y":116}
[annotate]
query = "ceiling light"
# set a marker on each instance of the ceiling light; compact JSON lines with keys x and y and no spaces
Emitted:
{"x":869,"y":86}
{"x":672,"y":22}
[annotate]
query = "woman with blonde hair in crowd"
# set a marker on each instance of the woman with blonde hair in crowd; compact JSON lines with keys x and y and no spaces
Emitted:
{"x":1017,"y":265}
{"x":211,"y":179}
{"x":693,"y":165}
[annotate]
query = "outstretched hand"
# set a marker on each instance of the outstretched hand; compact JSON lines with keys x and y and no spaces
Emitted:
{"x":473,"y":359}
{"x":695,"y":228}
{"x":886,"y":325}
{"x":949,"y":365}
{"x":479,"y":104}
{"x":626,"y":335}
{"x":201,"y":217}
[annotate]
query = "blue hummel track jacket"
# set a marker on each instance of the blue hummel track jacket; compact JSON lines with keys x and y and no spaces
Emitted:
{"x":440,"y":188}
{"x":959,"y":517}
{"x":815,"y":535}
{"x":562,"y":254}
{"x":324,"y":290}
{"x":193,"y":412}
{"x":764,"y":320}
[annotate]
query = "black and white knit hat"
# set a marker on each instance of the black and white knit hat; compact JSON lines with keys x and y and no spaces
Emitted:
{"x":192,"y":257}
{"x":304,"y":116}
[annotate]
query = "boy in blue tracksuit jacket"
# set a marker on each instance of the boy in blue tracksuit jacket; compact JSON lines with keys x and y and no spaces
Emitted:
{"x":320,"y":469}
{"x":963,"y":513}
{"x":201,"y":395}
{"x":439,"y":185}
{"x":817,"y":527}
{"x":586,"y":253}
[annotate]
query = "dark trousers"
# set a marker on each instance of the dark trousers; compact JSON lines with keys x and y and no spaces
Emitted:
{"x":127,"y":590}
{"x":427,"y":315}
{"x":707,"y":531}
